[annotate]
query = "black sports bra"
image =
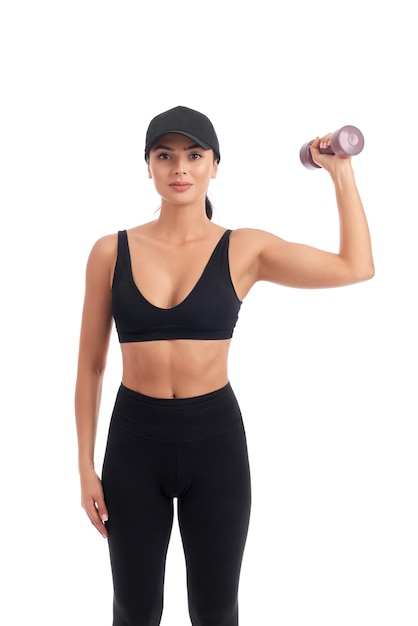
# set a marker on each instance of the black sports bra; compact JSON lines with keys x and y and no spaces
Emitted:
{"x":210,"y":311}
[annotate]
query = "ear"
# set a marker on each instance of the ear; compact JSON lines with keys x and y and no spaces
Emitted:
{"x":149,"y":172}
{"x":214,"y":169}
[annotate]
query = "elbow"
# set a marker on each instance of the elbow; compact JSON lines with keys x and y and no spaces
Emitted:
{"x":371,"y":272}
{"x":98,"y":369}
{"x":364,"y":273}
{"x":92,"y":368}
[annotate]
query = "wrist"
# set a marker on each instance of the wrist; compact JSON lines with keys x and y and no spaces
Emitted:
{"x":342,"y":174}
{"x":85,"y":466}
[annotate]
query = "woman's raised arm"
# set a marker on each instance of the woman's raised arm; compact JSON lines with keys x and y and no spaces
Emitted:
{"x":264,"y":256}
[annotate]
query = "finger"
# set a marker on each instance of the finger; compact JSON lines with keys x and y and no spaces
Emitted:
{"x":322,"y":146}
{"x":102,"y":511}
{"x":325,"y":141}
{"x":314,"y":148}
{"x":94,"y":517}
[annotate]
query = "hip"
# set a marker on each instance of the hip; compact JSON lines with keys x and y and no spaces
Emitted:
{"x":176,"y":419}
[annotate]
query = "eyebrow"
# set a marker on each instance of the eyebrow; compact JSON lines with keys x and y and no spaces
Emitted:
{"x":193,"y":146}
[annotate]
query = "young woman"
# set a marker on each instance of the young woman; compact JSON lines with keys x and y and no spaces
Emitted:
{"x":174,"y":287}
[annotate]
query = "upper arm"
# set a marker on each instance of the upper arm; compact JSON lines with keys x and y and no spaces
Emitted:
{"x":262,"y":256}
{"x":96,"y":322}
{"x":300,"y":265}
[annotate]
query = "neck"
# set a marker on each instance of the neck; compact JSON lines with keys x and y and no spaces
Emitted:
{"x":182,"y":222}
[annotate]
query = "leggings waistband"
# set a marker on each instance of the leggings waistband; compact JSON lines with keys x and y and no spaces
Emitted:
{"x":176,"y":419}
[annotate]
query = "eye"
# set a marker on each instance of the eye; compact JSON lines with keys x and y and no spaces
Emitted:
{"x":195,"y":156}
{"x":163,"y":156}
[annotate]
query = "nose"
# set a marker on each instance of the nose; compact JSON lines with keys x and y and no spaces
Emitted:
{"x":180,"y":166}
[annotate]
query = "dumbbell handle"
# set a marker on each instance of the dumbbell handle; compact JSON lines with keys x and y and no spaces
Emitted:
{"x":347,"y":141}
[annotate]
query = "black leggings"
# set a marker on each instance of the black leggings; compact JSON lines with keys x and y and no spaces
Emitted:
{"x":192,"y":449}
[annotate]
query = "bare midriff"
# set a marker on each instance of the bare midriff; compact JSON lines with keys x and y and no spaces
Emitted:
{"x":180,"y":368}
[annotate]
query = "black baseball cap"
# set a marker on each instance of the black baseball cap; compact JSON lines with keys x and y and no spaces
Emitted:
{"x":183,"y":121}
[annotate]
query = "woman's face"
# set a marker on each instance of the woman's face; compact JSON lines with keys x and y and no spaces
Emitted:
{"x":181,"y":169}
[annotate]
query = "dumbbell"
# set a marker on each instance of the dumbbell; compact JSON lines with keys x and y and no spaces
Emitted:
{"x":347,"y":141}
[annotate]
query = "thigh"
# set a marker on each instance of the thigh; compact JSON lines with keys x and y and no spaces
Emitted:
{"x":140,"y":508}
{"x":214,"y":512}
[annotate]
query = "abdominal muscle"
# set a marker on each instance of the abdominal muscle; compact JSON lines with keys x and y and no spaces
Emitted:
{"x":180,"y":368}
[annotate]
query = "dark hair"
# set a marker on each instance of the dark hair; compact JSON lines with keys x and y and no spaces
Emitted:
{"x":208,"y":207}
{"x":208,"y":203}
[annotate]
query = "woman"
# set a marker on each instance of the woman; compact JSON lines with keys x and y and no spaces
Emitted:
{"x":174,"y":287}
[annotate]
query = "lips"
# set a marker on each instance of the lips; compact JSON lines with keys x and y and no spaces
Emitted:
{"x":180,"y":186}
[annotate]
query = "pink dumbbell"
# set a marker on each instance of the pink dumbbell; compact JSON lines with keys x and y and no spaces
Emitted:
{"x":345,"y":142}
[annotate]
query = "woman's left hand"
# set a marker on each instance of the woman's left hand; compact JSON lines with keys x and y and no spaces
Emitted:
{"x":328,"y":162}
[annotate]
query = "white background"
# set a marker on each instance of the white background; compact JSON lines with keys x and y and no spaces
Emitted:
{"x":326,"y":379}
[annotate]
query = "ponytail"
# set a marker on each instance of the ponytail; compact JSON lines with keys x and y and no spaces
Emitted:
{"x":208,"y":207}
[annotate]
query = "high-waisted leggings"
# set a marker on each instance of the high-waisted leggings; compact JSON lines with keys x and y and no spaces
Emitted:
{"x":192,"y":449}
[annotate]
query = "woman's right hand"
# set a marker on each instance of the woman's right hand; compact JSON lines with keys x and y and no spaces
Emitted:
{"x":92,"y":500}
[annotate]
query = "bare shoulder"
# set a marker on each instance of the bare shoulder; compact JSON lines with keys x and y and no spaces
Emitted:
{"x":102,"y":259}
{"x":252,"y":240}
{"x":104,"y":248}
{"x":247,"y":248}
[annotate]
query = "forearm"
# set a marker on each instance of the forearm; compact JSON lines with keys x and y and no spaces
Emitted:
{"x":87,"y":404}
{"x":355,"y":245}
